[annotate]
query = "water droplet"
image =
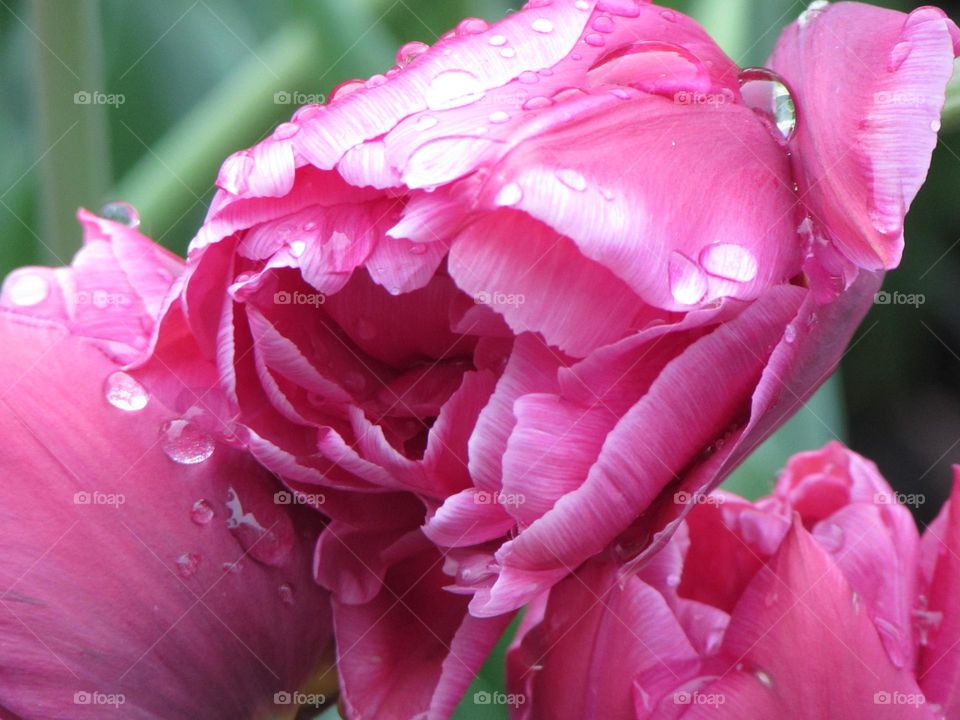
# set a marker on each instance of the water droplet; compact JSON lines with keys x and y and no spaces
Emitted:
{"x":509,"y":195}
{"x":418,"y":249}
{"x":688,"y":282}
{"x":623,"y":8}
{"x":26,"y":289}
{"x":121,"y":212}
{"x":346,"y":88}
{"x":790,"y":333}
{"x":202,"y":512}
{"x":728,"y":261}
{"x":537,"y":103}
{"x":898,"y":56}
{"x":813,"y":9}
{"x":185,"y":443}
{"x":499,"y":117}
{"x":668,"y":15}
{"x":297,"y":247}
{"x":410,"y":52}
{"x":453,"y":89}
{"x":376,"y":81}
{"x":766,"y":93}
{"x":935,"y":125}
{"x":582,"y":5}
{"x":472,"y":26}
{"x":542,"y":25}
{"x":309,"y":226}
{"x":268,"y":545}
{"x":673,"y":580}
{"x":285,"y":131}
{"x":497,"y":40}
{"x":595,"y":40}
{"x":285,"y":592}
{"x":602,"y":23}
{"x":508,"y":52}
{"x":831,"y":536}
{"x":712,"y":641}
{"x":572,"y":179}
{"x":528,"y":77}
{"x":231,"y":567}
{"x":124,"y":392}
{"x":188,"y":564}
{"x":763,"y":678}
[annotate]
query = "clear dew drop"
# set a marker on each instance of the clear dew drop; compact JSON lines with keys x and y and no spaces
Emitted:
{"x":124,"y":392}
{"x":285,"y":593}
{"x":410,"y":52}
{"x":264,"y":544}
{"x":935,"y":125}
{"x":595,"y":40}
{"x":285,"y":131}
{"x":187,"y":565}
{"x":668,"y":15}
{"x":572,"y":179}
{"x":499,"y":117}
{"x":603,"y":24}
{"x":763,"y":678}
{"x":497,"y":40}
{"x":297,"y":248}
{"x":508,"y":52}
{"x":185,"y":443}
{"x":472,"y":26}
{"x":426,"y":122}
{"x":528,"y":77}
{"x":766,"y":93}
{"x":538,"y":102}
{"x":688,"y":282}
{"x":202,"y":512}
{"x":121,"y":212}
{"x":790,"y":334}
{"x":27,"y":289}
{"x":346,"y":88}
{"x":542,"y":25}
{"x":582,"y":5}
{"x":509,"y":195}
{"x":673,"y":580}
{"x":376,"y":81}
{"x":453,"y":89}
{"x":813,"y":9}
{"x":729,"y":261}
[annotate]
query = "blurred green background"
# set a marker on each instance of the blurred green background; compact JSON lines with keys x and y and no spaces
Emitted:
{"x":183,"y":83}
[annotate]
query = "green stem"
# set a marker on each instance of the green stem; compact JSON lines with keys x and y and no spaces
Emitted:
{"x":177,"y":173}
{"x":72,"y":107}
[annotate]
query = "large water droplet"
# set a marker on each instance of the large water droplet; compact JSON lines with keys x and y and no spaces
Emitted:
{"x":346,"y":88}
{"x":188,"y":564}
{"x":542,"y":25}
{"x":497,"y":40}
{"x":538,"y":102}
{"x":185,"y":443}
{"x":728,"y":261}
{"x":509,"y":195}
{"x":766,"y":93}
{"x":453,"y":89}
{"x":688,"y":282}
{"x":202,"y":512}
{"x":26,"y":289}
{"x":124,"y":392}
{"x":595,"y":40}
{"x":813,"y":9}
{"x":582,"y":5}
{"x":508,"y":52}
{"x":602,"y":23}
{"x":763,"y":678}
{"x":268,"y":545}
{"x":121,"y":212}
{"x":410,"y":52}
{"x":498,"y":117}
{"x":472,"y":26}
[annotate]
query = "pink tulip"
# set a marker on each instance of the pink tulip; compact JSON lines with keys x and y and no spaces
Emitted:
{"x":146,"y":570}
{"x":536,"y":279}
{"x":805,"y":604}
